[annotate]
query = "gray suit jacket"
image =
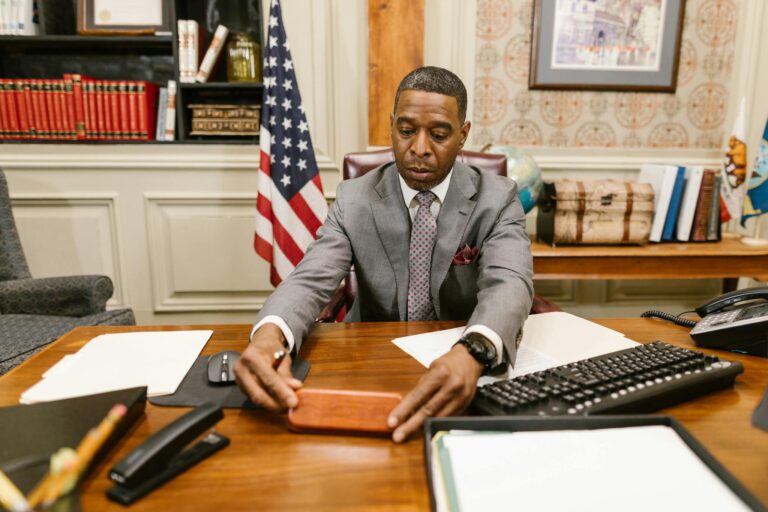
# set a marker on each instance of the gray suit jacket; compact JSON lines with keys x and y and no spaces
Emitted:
{"x":368,"y":226}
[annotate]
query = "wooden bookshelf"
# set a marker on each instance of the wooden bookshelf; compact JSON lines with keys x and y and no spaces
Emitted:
{"x":150,"y":58}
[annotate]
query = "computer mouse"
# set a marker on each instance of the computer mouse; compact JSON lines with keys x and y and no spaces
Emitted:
{"x":221,"y":367}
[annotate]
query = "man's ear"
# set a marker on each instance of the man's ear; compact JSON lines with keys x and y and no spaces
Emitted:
{"x":465,"y":132}
{"x":391,"y":119}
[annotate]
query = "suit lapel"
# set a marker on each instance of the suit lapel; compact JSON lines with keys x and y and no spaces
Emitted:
{"x":454,"y":214}
{"x":394,"y":226}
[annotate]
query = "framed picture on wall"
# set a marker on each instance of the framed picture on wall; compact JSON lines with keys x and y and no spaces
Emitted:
{"x":120,"y":17}
{"x":620,"y":45}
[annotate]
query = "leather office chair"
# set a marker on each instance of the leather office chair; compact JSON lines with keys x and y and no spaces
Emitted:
{"x":35,"y":312}
{"x":357,"y":164}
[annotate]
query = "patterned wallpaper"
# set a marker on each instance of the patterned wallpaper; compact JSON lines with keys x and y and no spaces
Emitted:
{"x":506,"y":112}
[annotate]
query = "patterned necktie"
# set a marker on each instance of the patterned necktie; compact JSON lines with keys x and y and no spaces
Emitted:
{"x":420,"y":259}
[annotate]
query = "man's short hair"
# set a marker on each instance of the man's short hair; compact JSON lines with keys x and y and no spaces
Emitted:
{"x":434,"y":79}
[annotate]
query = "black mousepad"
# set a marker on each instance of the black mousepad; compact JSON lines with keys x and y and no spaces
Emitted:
{"x":760,"y":416}
{"x":195,"y":389}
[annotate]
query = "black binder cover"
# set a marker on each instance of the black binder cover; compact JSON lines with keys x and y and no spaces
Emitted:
{"x":195,"y":389}
{"x":519,"y":424}
{"x":29,"y":434}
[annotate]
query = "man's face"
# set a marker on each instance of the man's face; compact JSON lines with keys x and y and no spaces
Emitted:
{"x":426,"y":137}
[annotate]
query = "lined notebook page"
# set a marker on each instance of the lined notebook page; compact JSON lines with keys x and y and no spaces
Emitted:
{"x":629,"y":469}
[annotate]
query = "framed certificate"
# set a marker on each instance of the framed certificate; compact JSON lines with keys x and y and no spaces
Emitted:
{"x":123,"y":17}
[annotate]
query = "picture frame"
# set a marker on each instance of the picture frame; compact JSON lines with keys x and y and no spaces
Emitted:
{"x":117,"y":17}
{"x":606,"y":44}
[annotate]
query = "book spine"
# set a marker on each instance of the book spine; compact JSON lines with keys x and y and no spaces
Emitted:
{"x":703,"y":203}
{"x":38,"y":109}
{"x":79,"y":105}
{"x":162,"y":108}
{"x":14,"y":119}
{"x":90,"y":98}
{"x":133,"y":110}
{"x":49,"y":107}
{"x":182,"y":38}
{"x":206,"y":67}
{"x":17,"y":105}
{"x":5,"y":118}
{"x":29,"y":108}
{"x":713,"y":222}
{"x":114,"y":108}
{"x":193,"y":53}
{"x":125,"y":129}
{"x":674,"y":206}
{"x":170,"y":114}
{"x":101,"y":127}
{"x":69,"y":106}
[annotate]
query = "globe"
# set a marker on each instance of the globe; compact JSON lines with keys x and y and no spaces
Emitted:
{"x":522,"y":168}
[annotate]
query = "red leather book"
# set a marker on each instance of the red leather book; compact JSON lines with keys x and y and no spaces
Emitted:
{"x":38,"y":109}
{"x":133,"y":110}
{"x":101,"y":127}
{"x":147,"y":107}
{"x":12,"y":122}
{"x":54,"y":109}
{"x":5,"y":121}
{"x":77,"y":104}
{"x":125,"y":128}
{"x":114,"y":108}
{"x":29,"y":111}
{"x":89,"y":95}
{"x":48,"y":108}
{"x":15,"y":105}
{"x":68,"y":109}
{"x":703,"y":205}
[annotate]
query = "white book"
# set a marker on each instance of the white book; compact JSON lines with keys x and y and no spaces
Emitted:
{"x":26,"y":12}
{"x":183,"y":42}
{"x":162,"y":109}
{"x":662,"y":179}
{"x":170,"y":112}
{"x":5,"y":17}
{"x":212,"y":53}
{"x":193,"y":51}
{"x":693,"y":177}
{"x":13,"y":17}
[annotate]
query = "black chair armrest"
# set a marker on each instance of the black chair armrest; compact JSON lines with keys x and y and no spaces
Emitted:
{"x":56,"y":296}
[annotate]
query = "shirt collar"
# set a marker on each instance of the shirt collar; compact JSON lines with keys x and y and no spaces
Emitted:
{"x":440,"y":190}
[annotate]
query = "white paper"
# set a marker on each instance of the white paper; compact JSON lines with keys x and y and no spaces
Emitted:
{"x":549,"y":340}
{"x":158,"y":360}
{"x":127,"y":12}
{"x":629,"y":469}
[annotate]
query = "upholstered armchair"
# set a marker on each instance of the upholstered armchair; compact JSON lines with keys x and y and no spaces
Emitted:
{"x":35,"y":312}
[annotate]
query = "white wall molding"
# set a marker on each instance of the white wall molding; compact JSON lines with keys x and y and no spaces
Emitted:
{"x":77,"y":230}
{"x":199,"y":253}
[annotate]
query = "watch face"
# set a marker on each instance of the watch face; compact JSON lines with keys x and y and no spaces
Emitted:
{"x":481,"y":349}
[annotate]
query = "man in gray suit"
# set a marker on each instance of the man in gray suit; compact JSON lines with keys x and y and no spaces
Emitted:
{"x":469,"y":228}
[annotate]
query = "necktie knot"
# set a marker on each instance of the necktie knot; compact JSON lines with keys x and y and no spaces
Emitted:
{"x":425,"y":199}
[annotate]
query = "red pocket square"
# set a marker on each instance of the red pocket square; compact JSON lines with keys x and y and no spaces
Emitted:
{"x":465,"y":255}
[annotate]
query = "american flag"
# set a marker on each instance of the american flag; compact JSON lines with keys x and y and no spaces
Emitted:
{"x":290,"y":205}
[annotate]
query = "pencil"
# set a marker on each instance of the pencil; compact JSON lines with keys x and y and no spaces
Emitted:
{"x":56,"y":485}
{"x":10,"y":496}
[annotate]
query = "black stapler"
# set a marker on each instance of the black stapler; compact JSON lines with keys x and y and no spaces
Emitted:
{"x":162,"y":457}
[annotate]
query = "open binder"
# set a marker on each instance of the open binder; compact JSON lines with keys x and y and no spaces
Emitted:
{"x":508,"y":463}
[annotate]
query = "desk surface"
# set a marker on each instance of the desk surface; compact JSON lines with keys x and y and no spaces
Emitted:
{"x":725,"y":259}
{"x":268,"y":468}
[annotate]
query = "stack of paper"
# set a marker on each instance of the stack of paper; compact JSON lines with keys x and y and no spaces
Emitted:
{"x":158,"y":360}
{"x":549,"y":340}
{"x":630,"y":468}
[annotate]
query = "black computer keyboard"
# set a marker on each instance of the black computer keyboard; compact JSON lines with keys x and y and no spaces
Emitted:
{"x":640,"y":379}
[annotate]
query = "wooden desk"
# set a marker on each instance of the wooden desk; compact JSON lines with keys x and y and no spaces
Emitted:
{"x":726,"y":259}
{"x":268,"y":468}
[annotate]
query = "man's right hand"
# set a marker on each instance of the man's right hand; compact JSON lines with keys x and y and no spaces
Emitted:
{"x":265,"y":386}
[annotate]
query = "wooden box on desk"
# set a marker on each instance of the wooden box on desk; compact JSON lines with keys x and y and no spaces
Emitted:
{"x":228,"y":120}
{"x":595,"y":212}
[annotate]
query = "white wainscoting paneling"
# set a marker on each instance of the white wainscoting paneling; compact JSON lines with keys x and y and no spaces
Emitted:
{"x":67,"y":234}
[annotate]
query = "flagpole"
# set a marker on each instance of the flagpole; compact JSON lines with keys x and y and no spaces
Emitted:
{"x":755,"y":241}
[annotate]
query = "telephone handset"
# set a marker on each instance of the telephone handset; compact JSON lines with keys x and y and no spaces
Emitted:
{"x":736,"y":321}
{"x":730,"y":298}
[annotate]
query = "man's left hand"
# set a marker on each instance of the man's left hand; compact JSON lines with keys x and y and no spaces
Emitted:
{"x":447,"y":388}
